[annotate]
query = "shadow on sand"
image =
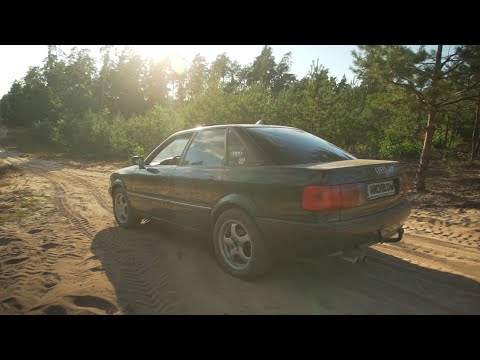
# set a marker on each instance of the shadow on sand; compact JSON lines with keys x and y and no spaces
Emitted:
{"x":157,"y":269}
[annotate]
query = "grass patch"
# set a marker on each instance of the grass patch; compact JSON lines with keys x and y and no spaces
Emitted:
{"x":19,"y":215}
{"x":24,"y":213}
{"x":27,"y":203}
{"x":454,"y":167}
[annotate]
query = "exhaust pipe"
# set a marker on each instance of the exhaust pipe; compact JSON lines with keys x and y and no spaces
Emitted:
{"x":393,"y":240}
{"x":357,"y":255}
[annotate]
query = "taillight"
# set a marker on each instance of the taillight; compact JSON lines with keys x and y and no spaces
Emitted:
{"x":351,"y":195}
{"x":332,"y":197}
{"x":320,"y":198}
{"x":403,"y":183}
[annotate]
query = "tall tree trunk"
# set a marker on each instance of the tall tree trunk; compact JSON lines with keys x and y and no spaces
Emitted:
{"x":477,"y":147}
{"x":430,"y":128}
{"x":103,"y":93}
{"x":445,"y":142}
{"x":427,"y":150}
{"x":477,"y":150}
{"x":475,"y":136}
{"x":453,"y":135}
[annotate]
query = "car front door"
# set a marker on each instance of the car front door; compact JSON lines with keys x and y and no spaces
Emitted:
{"x":197,"y":181}
{"x":152,"y":186}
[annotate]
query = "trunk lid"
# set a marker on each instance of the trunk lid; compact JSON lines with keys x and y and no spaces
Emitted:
{"x":352,"y":171}
{"x":379,"y":183}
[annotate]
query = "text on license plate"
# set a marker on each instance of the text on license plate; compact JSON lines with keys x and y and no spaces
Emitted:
{"x":380,"y":189}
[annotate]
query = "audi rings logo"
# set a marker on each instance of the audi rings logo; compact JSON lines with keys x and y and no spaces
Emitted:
{"x":381,"y":170}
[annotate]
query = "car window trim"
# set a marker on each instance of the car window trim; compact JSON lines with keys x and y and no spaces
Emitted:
{"x":261,"y":157}
{"x":227,"y":149}
{"x":185,"y":151}
{"x":163,"y":145}
{"x":182,"y":159}
{"x":277,"y":162}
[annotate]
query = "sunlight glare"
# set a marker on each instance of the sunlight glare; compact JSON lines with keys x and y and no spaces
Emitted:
{"x":180,"y":55}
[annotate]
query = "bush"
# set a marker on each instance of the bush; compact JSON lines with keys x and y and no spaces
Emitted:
{"x":137,"y":150}
{"x":59,"y":134}
{"x":103,"y":135}
{"x":405,"y":149}
{"x":150,"y":129}
{"x":43,"y":131}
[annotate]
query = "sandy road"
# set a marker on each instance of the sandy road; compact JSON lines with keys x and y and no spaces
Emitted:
{"x":69,"y":257}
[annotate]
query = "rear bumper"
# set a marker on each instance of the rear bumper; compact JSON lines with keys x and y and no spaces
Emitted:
{"x":288,"y":236}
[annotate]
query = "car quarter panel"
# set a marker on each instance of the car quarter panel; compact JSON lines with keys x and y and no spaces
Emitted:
{"x":236,"y":200}
{"x":276,"y":191}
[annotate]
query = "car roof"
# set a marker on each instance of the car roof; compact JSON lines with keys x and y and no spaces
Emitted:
{"x":199,"y":128}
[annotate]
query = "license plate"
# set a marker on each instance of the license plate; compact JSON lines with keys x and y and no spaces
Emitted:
{"x":381,"y":189}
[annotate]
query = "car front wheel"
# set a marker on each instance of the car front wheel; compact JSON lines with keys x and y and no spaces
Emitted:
{"x":124,"y":214}
{"x":238,"y":245}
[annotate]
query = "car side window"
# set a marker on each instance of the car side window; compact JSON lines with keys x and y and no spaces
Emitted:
{"x":170,"y":155}
{"x":207,"y":148}
{"x":238,"y":153}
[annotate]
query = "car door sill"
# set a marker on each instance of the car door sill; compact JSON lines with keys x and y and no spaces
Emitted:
{"x":148,"y":197}
{"x":147,"y":216}
{"x":173,"y":202}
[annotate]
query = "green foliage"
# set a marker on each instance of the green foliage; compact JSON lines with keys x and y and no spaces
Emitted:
{"x":42,"y":131}
{"x":129,"y":105}
{"x":24,"y":213}
{"x":27,"y":203}
{"x":404,"y":149}
{"x":137,"y":150}
{"x":73,"y":134}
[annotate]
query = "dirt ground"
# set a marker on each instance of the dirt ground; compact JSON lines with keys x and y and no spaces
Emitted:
{"x":62,"y":253}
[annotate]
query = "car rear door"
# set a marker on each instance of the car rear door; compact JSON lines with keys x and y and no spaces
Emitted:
{"x":197,"y":181}
{"x":152,"y":186}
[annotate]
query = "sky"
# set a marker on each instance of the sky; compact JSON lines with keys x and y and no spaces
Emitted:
{"x":16,"y":59}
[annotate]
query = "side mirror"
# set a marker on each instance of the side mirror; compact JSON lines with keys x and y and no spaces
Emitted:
{"x":139,"y":160}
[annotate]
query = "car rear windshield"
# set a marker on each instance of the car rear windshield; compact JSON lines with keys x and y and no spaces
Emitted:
{"x":288,"y":146}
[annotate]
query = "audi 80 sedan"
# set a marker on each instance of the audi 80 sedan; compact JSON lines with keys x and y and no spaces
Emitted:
{"x":262,"y":191}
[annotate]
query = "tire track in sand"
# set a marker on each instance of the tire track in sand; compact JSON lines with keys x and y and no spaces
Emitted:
{"x":146,"y":279}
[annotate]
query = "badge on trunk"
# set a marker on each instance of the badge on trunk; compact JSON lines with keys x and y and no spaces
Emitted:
{"x":381,"y":170}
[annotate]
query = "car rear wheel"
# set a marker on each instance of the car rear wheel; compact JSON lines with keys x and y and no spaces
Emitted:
{"x":238,"y":245}
{"x":124,"y":214}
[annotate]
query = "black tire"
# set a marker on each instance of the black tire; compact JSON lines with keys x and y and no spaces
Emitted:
{"x":259,"y":261}
{"x":131,"y":219}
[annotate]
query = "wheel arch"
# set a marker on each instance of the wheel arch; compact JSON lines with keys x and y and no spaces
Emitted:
{"x":236,"y":201}
{"x":117,"y":184}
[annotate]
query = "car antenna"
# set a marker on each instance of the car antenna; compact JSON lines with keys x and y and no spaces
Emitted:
{"x":261,"y":122}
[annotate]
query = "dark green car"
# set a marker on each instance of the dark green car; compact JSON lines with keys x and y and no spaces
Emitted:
{"x":264,"y":191}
